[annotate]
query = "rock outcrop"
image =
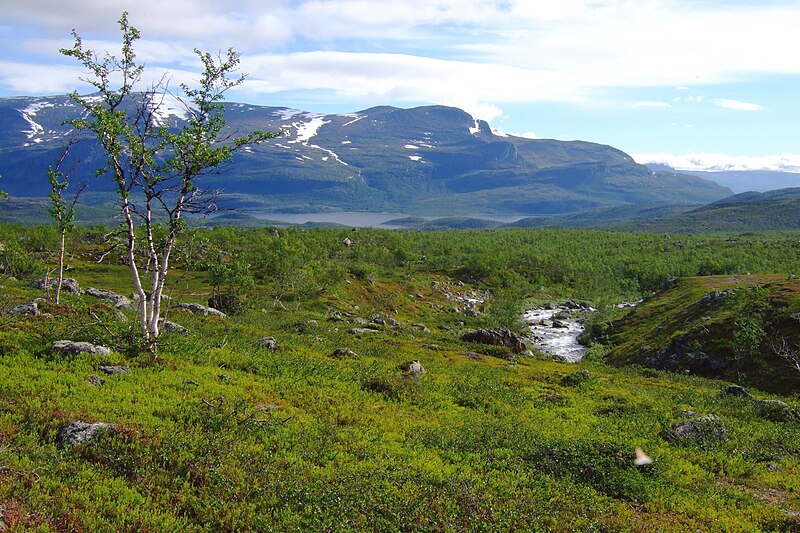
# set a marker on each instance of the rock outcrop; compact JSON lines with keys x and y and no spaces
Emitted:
{"x":78,"y":432}
{"x":65,"y":347}
{"x":496,"y":337}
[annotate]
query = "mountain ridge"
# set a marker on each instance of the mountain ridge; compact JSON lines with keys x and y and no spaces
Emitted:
{"x":425,"y":160}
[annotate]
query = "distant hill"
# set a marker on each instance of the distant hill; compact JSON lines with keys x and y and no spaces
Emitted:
{"x":432,"y":160}
{"x":741,"y":180}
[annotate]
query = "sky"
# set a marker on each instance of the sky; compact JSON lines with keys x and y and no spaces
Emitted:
{"x":698,"y":84}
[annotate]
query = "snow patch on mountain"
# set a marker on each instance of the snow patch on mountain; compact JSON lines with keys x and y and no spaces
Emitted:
{"x":307,"y":130}
{"x":415,"y":158}
{"x":331,"y":152}
{"x":412,"y":147}
{"x":288,"y":114}
{"x":29,"y":113}
{"x":476,"y":129}
{"x":355,"y":116}
{"x":165,"y":106}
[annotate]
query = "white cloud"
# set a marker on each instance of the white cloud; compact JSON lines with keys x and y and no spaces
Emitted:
{"x":476,"y":54}
{"x":738,"y":105}
{"x":718,"y":162}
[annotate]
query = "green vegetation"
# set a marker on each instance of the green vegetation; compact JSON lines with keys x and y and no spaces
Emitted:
{"x":223,"y":433}
{"x":728,"y":327}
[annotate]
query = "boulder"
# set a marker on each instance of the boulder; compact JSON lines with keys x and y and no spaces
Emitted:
{"x":172,"y":327}
{"x":67,"y":284}
{"x":78,"y":432}
{"x":96,"y":381}
{"x":700,"y":429}
{"x":114,"y":369}
{"x":345,"y":353}
{"x":735,"y":390}
{"x":496,"y":337}
{"x":360,"y":331}
{"x":412,"y":368}
{"x":117,"y":300}
{"x":26,"y":309}
{"x":422,"y":327}
{"x":269,"y":343}
{"x":65,"y":347}
{"x":200,"y":309}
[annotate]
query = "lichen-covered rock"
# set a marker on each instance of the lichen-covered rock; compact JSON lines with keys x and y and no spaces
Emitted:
{"x":700,"y":429}
{"x":269,"y":343}
{"x":78,"y":432}
{"x":172,"y":327}
{"x":114,"y":369}
{"x":26,"y":309}
{"x":360,"y":331}
{"x":65,"y":347}
{"x":67,"y":284}
{"x":422,"y":327}
{"x":117,"y":300}
{"x":735,"y":390}
{"x":345,"y":353}
{"x":496,"y":337}
{"x":201,"y":309}
{"x":416,"y":369}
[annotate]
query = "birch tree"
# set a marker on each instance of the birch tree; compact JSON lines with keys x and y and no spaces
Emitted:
{"x":156,"y":168}
{"x":63,"y":212}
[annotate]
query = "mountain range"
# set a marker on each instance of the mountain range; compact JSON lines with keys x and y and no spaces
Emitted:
{"x":434,"y":160}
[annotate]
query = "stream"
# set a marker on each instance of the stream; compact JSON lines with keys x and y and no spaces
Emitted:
{"x":555,"y":330}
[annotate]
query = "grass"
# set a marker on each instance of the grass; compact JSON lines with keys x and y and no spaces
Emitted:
{"x":220,"y":434}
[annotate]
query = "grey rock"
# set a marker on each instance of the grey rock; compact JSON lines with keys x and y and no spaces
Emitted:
{"x":78,"y":432}
{"x":422,"y":327}
{"x":394,"y":323}
{"x":26,"y":309}
{"x":172,"y":327}
{"x":269,"y":343}
{"x":702,"y":428}
{"x":359,"y":321}
{"x":559,"y":324}
{"x":412,"y":368}
{"x":191,"y":382}
{"x":114,"y":369}
{"x":416,"y":369}
{"x":117,"y":300}
{"x":378,"y":320}
{"x":347,"y":242}
{"x":97,"y":381}
{"x":360,"y":331}
{"x":67,"y":284}
{"x":496,"y":337}
{"x":345,"y":353}
{"x":200,"y":309}
{"x":65,"y":347}
{"x":735,"y":390}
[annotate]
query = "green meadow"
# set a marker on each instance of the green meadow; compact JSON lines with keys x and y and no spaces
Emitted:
{"x":217,"y":432}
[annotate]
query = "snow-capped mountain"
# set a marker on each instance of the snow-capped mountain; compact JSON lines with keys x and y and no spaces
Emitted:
{"x":429,"y":160}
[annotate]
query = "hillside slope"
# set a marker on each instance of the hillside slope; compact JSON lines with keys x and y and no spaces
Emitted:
{"x":717,"y":326}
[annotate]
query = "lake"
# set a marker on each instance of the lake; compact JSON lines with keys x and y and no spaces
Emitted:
{"x":361,"y":219}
